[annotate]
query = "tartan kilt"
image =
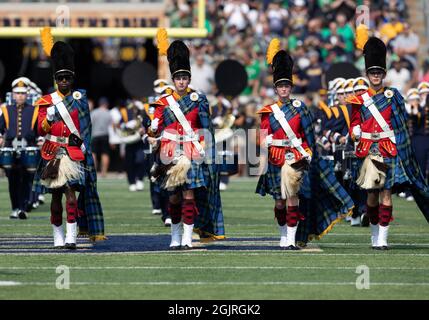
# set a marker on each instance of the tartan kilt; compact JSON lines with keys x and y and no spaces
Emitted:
{"x":395,"y":174}
{"x":77,"y":184}
{"x":195,"y":178}
{"x":270,"y":182}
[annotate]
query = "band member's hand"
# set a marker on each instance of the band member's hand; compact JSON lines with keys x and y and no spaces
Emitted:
{"x":343,"y":140}
{"x":269,"y":140}
{"x":1,"y":142}
{"x":154,"y":124}
{"x":131,"y":124}
{"x":151,"y":140}
{"x":357,"y":132}
{"x":217,"y":121}
{"x":50,"y":113}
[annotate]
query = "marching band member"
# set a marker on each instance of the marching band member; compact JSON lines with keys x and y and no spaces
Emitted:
{"x":67,"y":164}
{"x":191,"y":178}
{"x":18,"y":134}
{"x":419,"y":127}
{"x":293,"y":174}
{"x":379,"y":125}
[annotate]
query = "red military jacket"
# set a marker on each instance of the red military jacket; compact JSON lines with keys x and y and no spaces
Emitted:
{"x":168,"y":146}
{"x":277,"y":154}
{"x":386,"y":147}
{"x":58,"y":129}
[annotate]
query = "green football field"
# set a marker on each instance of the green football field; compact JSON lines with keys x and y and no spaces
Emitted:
{"x":135,"y":263}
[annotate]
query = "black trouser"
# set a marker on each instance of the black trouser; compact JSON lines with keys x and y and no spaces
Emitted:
{"x":20,"y":182}
{"x":421,"y":148}
{"x":134,"y":161}
{"x":159,"y":198}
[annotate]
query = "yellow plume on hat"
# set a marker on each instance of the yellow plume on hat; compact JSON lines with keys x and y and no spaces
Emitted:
{"x":47,"y":40}
{"x":162,"y":40}
{"x":273,"y":48}
{"x":361,"y":36}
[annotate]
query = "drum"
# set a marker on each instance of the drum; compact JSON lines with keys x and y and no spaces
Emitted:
{"x":227,"y":163}
{"x":30,"y":158}
{"x":6,"y":157}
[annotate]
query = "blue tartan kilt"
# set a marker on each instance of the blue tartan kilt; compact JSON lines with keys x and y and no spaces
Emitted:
{"x":77,"y":184}
{"x":395,"y":174}
{"x":270,"y":182}
{"x":195,"y":179}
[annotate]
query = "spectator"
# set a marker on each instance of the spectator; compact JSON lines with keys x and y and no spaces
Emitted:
{"x":236,"y":14}
{"x":101,"y":121}
{"x":202,"y":75}
{"x":314,"y":73}
{"x":406,"y":45}
{"x":398,"y":76}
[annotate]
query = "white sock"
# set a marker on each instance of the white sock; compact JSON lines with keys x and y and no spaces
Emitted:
{"x":176,"y":234}
{"x":71,"y":232}
{"x":58,"y":235}
{"x":374,"y":234}
{"x":383,"y":232}
{"x":291,"y":232}
{"x":187,"y":234}
{"x":283,"y":236}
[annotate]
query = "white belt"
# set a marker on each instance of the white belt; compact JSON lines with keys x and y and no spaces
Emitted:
{"x":179,"y":138}
{"x":62,"y":140}
{"x":284,"y":142}
{"x":375,"y":136}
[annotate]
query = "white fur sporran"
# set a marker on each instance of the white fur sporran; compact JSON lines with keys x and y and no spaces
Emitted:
{"x":177,"y":175}
{"x":291,"y":181}
{"x":68,"y":170}
{"x":371,"y":177}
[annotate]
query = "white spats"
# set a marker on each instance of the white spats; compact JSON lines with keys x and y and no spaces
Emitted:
{"x":355,"y":221}
{"x":187,"y":235}
{"x":139,"y":185}
{"x":283,"y":236}
{"x":383,"y":233}
{"x":291,"y":232}
{"x":71,"y":233}
{"x":374,"y":234}
{"x":176,"y":235}
{"x":58,"y":235}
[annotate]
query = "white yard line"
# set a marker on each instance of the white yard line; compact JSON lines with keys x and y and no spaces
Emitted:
{"x":212,"y":268}
{"x":202,"y":252}
{"x":223,"y":283}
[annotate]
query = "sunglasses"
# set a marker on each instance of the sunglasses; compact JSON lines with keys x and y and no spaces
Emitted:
{"x":61,"y":77}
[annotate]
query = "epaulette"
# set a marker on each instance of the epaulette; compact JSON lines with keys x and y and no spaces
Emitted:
{"x":45,"y":100}
{"x":353,"y":100}
{"x":266,"y":109}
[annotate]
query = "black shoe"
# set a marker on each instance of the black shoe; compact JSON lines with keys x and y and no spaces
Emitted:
{"x":186,"y":247}
{"x":364,"y":220}
{"x":382,"y":248}
{"x":70,"y":246}
{"x":291,"y":248}
{"x":22,"y":215}
{"x":175,"y":248}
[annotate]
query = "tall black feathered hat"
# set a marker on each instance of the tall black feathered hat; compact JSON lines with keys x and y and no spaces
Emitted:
{"x":281,"y":62}
{"x":61,"y":53}
{"x":177,"y":53}
{"x":375,"y":54}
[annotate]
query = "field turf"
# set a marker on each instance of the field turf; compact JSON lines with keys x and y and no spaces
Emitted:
{"x":135,"y":263}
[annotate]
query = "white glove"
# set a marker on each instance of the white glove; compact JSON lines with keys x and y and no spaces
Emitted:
{"x":50,"y":113}
{"x":202,"y":153}
{"x":308,"y":158}
{"x":131,"y":124}
{"x":357,"y":132}
{"x":269,"y":140}
{"x":154,"y":124}
{"x":217,"y":121}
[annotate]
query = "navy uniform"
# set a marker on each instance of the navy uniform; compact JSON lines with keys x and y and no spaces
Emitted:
{"x":130,"y":126}
{"x":18,"y":131}
{"x":419,"y":129}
